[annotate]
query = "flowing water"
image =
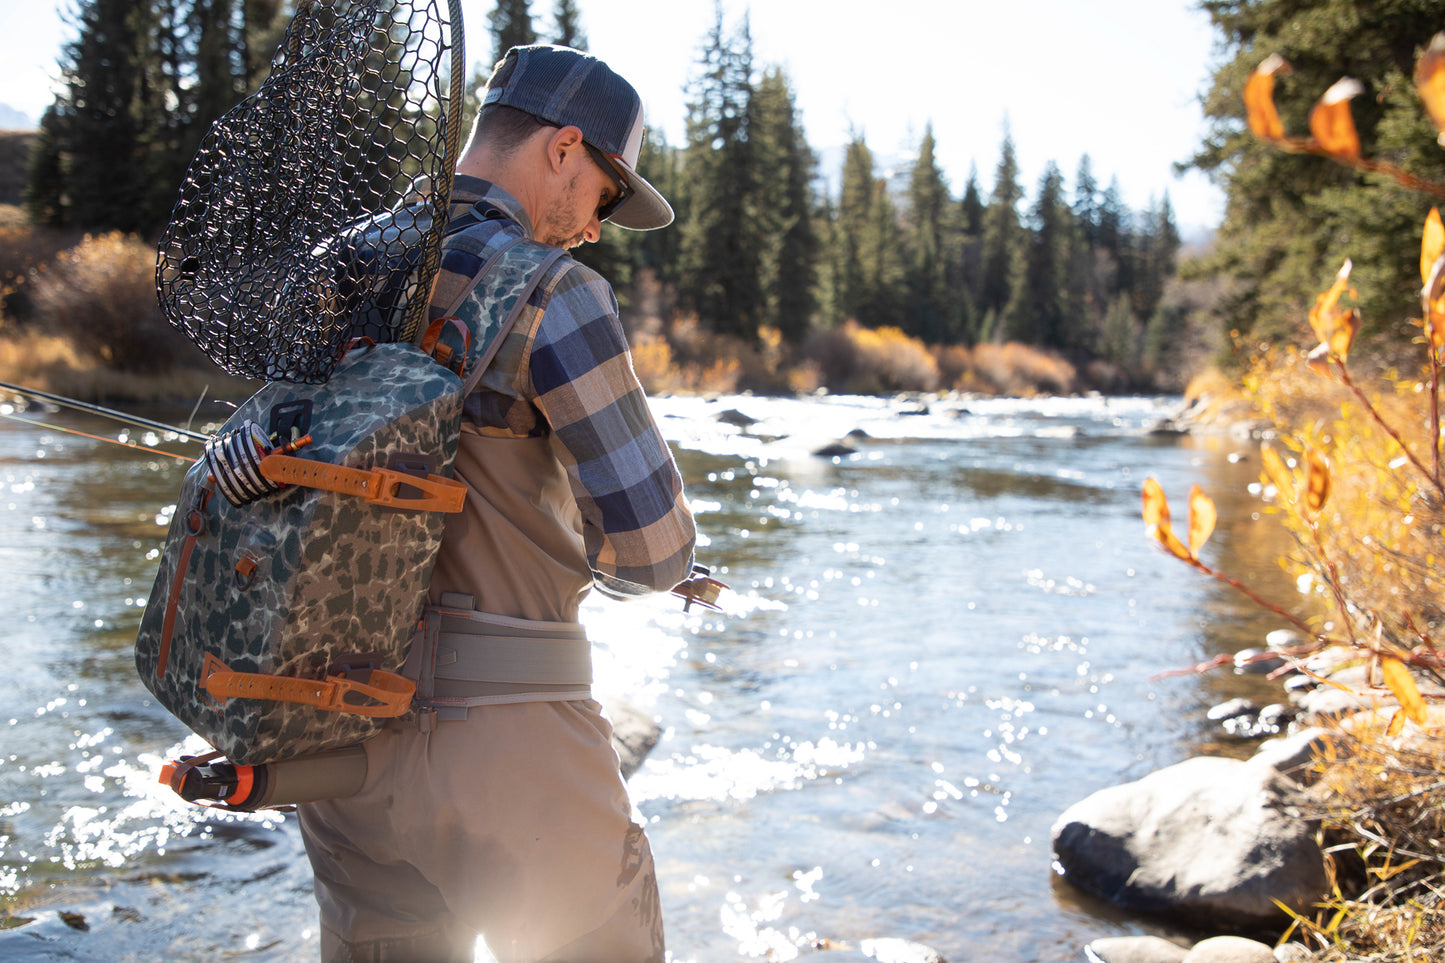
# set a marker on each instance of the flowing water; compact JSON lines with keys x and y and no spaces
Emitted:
{"x":934,"y":646}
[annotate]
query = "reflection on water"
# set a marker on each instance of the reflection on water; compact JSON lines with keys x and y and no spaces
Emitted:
{"x":935,"y":646}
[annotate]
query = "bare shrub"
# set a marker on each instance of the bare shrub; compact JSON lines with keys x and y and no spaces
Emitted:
{"x":101,"y":294}
{"x":23,"y":249}
{"x":652,"y":361}
{"x":1019,"y":370}
{"x":853,"y":359}
{"x":954,"y":361}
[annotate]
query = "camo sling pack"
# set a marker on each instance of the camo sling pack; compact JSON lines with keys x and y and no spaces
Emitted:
{"x":297,"y":560}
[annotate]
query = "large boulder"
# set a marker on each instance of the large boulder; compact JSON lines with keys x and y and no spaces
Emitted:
{"x":1209,"y":841}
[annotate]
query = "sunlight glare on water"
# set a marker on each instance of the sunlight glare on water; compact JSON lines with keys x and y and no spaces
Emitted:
{"x":931,"y":648}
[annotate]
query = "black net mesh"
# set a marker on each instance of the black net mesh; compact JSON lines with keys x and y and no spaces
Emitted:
{"x":312,"y":212}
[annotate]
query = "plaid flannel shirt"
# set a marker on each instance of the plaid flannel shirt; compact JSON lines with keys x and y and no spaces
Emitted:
{"x":565,"y":369}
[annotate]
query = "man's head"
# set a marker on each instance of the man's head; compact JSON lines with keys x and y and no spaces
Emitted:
{"x":586,"y":117}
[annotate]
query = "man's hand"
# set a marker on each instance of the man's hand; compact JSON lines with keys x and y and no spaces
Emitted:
{"x":701,"y":589}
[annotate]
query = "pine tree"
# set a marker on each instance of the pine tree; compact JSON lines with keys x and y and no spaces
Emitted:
{"x":1002,"y":235}
{"x":103,"y":121}
{"x":45,"y":180}
{"x":1158,"y":247}
{"x":1037,"y":312}
{"x":1086,"y":202}
{"x":1291,"y":220}
{"x":511,"y":22}
{"x":881,"y":252}
{"x":141,"y":84}
{"x":719,"y":276}
{"x":661,"y":164}
{"x":785,"y":208}
{"x":1114,"y":239}
{"x":966,"y":270}
{"x":855,"y":208}
{"x":567,"y":25}
{"x":1120,"y":335}
{"x":928,"y":314}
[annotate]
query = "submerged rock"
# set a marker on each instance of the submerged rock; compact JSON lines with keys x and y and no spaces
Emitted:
{"x":736,"y":418}
{"x":835,"y":450}
{"x":1207,"y":841}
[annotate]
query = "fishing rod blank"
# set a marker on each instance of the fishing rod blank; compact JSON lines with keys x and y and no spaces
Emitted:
{"x":121,"y":416}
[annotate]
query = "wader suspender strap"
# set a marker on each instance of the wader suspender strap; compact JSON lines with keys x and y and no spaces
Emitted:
{"x":526,"y":262}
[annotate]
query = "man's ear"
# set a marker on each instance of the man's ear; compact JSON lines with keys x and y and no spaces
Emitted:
{"x":564,"y":142}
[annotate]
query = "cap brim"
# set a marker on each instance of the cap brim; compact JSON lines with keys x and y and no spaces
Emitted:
{"x":645,"y":209}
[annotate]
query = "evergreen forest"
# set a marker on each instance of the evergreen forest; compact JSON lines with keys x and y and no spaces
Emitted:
{"x":766,"y":256}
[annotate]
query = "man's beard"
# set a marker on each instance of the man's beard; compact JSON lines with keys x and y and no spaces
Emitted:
{"x":558,"y":228}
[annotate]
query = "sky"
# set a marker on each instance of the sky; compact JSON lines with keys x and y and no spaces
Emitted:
{"x":1118,"y":80}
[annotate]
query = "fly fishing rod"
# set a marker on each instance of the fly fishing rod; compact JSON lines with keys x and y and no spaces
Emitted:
{"x":94,"y":409}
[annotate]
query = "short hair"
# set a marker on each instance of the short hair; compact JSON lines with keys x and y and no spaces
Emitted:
{"x":504,"y":129}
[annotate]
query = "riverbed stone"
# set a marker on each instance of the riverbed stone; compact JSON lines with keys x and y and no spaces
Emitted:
{"x":1294,"y":754}
{"x":1286,"y":640}
{"x":634,"y":732}
{"x":1231,"y":709}
{"x":1230,"y":949}
{"x":736,"y":418}
{"x":1209,"y":841}
{"x":1257,"y":661}
{"x":1327,"y":702}
{"x":1134,"y":949}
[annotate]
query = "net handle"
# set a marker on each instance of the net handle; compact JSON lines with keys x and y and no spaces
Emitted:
{"x":416,"y":313}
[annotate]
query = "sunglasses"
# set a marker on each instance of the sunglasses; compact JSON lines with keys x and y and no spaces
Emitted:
{"x":618,"y":181}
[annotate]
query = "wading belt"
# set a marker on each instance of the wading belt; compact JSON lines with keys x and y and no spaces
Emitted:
{"x":461,"y":658}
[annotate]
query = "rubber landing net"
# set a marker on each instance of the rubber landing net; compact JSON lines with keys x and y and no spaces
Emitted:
{"x":312,"y":213}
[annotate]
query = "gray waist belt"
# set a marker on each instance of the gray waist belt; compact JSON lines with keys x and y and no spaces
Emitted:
{"x":462,"y":658}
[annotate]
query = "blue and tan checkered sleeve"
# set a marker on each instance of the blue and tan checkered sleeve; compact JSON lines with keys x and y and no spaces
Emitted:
{"x":638,"y":530}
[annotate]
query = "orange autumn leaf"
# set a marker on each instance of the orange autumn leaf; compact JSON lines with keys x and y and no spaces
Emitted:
{"x":1432,"y":244}
{"x":1331,"y":123}
{"x":1333,"y":325}
{"x":1318,"y":361}
{"x":1430,"y":82}
{"x":1156,"y":520}
{"x":1317,"y":481}
{"x":1264,"y":120}
{"x":1275,"y":471}
{"x":1432,"y":273}
{"x":1402,"y":684}
{"x":1435,"y":323}
{"x":1202,"y":516}
{"x":1342,"y":336}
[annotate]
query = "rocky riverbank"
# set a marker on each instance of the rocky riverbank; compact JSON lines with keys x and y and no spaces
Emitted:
{"x":1229,"y":846}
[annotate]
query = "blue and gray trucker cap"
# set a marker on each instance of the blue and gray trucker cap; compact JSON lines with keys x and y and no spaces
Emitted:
{"x":568,"y":88}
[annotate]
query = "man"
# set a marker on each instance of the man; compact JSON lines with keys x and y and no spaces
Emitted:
{"x":498,"y":807}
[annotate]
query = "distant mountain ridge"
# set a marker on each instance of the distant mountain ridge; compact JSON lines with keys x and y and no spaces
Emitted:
{"x":12,"y":119}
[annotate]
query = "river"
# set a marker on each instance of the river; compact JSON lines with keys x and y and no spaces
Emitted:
{"x":933,"y":647}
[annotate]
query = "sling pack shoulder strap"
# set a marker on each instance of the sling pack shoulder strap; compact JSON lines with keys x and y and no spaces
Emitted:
{"x":507,"y":280}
